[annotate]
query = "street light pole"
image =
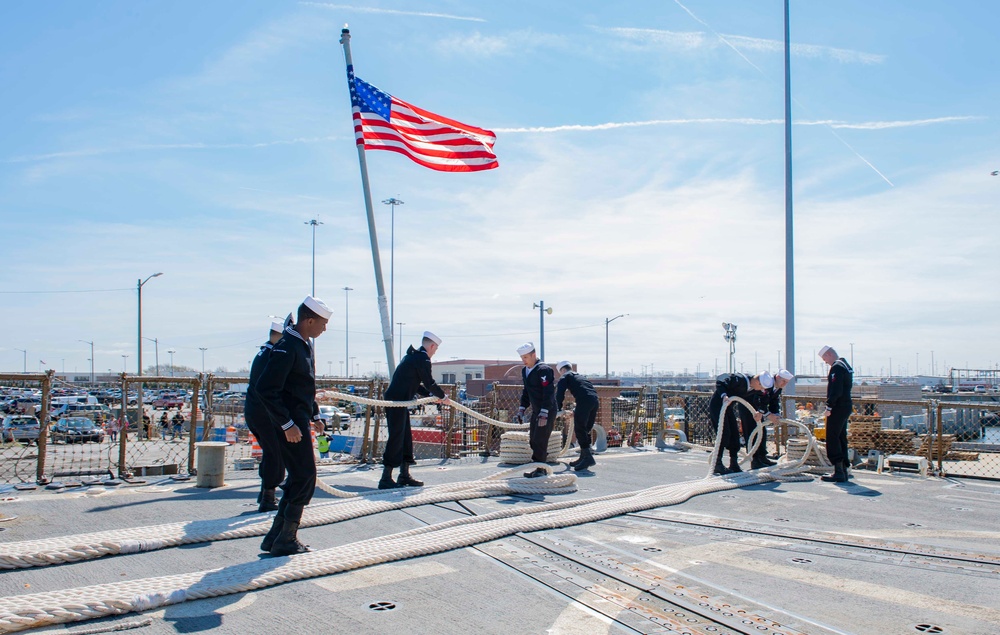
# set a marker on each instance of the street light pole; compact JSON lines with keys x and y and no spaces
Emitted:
{"x":401,"y":324}
{"x":91,"y":360}
{"x":25,"y":359}
{"x":314,"y":223}
{"x":124,"y":361}
{"x":202,"y":349}
{"x":608,"y":321}
{"x":541,"y":326}
{"x":347,"y":327}
{"x":392,"y":203}
{"x":171,"y":351}
{"x":156,"y":347}
{"x":138,"y":288}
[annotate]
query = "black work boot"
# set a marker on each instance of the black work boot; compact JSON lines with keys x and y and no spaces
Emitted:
{"x":386,"y":481}
{"x":756,"y":463}
{"x":287,"y":543}
{"x":537,"y":472}
{"x":587,"y":460}
{"x":719,"y":468}
{"x":268,"y":541}
{"x":268,"y":501}
{"x":405,"y":478}
{"x":839,"y":474}
{"x":734,"y":462}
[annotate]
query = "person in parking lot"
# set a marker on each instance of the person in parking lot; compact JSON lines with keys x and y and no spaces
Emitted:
{"x":177,"y":425}
{"x":412,"y":377}
{"x":286,"y":392}
{"x":271,"y":469}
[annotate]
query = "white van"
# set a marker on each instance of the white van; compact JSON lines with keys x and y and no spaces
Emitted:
{"x":89,"y":410}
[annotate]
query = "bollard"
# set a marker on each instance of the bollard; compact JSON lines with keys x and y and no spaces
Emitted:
{"x":211,"y":463}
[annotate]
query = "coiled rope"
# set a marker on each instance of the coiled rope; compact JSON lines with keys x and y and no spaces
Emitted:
{"x":33,"y":610}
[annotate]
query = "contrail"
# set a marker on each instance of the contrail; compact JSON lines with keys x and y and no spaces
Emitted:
{"x":347,"y":7}
{"x":707,"y":26}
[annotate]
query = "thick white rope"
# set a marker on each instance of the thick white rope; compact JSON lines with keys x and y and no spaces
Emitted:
{"x":330,"y":395}
{"x":36,"y":553}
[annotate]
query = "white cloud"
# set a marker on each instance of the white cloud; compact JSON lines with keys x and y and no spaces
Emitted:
{"x":696,"y":40}
{"x":515,"y":42}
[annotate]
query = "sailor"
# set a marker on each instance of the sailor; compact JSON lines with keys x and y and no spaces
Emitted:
{"x":585,"y":413}
{"x":539,"y":394}
{"x":727,"y":386}
{"x":286,"y":391}
{"x":839,"y":382}
{"x":412,"y":377}
{"x":768,"y":403}
{"x":271,"y":469}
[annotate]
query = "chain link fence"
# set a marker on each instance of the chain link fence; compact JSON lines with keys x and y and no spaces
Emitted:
{"x":956,"y":438}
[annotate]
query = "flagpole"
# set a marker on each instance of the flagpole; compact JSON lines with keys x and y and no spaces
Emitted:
{"x":383,"y":306}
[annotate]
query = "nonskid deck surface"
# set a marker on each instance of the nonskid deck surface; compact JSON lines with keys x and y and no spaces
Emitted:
{"x":886,"y":554}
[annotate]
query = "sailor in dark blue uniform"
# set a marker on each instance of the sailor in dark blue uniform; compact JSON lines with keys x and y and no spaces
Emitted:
{"x":585,"y":413}
{"x":839,"y":405}
{"x":539,"y":395}
{"x":769,"y":404}
{"x":287,"y":393}
{"x":727,"y":386}
{"x":412,"y":377}
{"x":271,"y":469}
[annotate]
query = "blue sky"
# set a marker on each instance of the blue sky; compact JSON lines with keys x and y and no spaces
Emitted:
{"x":641,"y":172}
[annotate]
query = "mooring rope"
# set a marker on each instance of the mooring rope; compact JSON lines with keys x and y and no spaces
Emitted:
{"x":33,"y":610}
{"x":36,"y":553}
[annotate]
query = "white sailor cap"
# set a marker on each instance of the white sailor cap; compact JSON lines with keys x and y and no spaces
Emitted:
{"x":434,"y":338}
{"x":766,"y":381}
{"x":564,"y":364}
{"x":525,"y":348}
{"x":278,"y":326}
{"x":786,"y":375}
{"x":318,"y":307}
{"x":823,"y":351}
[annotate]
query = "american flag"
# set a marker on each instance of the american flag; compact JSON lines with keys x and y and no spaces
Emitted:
{"x":383,"y":122}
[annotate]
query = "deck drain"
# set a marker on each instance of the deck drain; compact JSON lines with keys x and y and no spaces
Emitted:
{"x":782,"y":520}
{"x":962,"y":509}
{"x":382,"y":606}
{"x":927,"y":628}
{"x":800,"y":560}
{"x":913,"y":525}
{"x":653,"y":549}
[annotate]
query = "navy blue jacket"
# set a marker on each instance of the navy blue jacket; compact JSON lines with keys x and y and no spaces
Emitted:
{"x":251,"y":406}
{"x":839,"y":382}
{"x":413,"y":377}
{"x":286,"y":388}
{"x":539,"y":389}
{"x":581,"y":389}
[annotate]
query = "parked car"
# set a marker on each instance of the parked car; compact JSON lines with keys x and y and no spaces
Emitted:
{"x":334,"y":418}
{"x":20,"y":429}
{"x":76,"y":430}
{"x":167,"y":401}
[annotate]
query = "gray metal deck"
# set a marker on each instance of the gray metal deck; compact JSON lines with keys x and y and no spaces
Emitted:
{"x":887,"y":554}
